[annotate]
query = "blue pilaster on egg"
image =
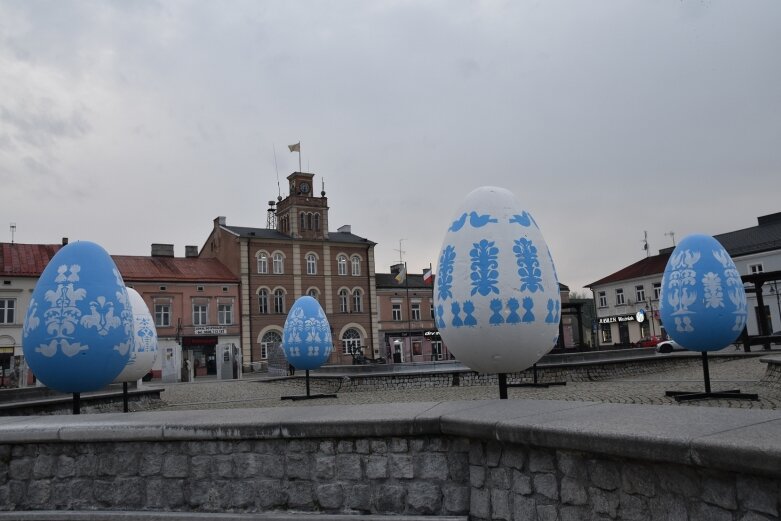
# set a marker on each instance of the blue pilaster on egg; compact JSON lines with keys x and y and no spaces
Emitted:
{"x":703,"y":303}
{"x":78,"y":329}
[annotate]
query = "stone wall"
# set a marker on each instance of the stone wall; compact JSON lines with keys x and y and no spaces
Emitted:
{"x":508,"y":460}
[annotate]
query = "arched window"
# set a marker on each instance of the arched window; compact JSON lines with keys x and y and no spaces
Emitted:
{"x":303,"y":221}
{"x":356,"y":262}
{"x":317,"y":221}
{"x":351,"y":341}
{"x":263,"y":301}
{"x":271,"y":338}
{"x":357,"y":301}
{"x":311,"y":264}
{"x":343,"y":298}
{"x":341,"y":263}
{"x":314,"y":293}
{"x":309,"y":221}
{"x":279,"y":263}
{"x":279,"y":300}
{"x":262,"y":257}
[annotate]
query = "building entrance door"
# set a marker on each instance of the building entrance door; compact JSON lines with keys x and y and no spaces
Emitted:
{"x":623,"y":333}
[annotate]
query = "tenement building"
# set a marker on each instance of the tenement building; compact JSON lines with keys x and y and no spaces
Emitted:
{"x":293,"y":256}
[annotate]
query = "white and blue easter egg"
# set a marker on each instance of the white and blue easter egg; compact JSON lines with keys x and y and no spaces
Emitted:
{"x":496,"y":302}
{"x":144,"y":350}
{"x":703,"y":304}
{"x":78,"y":329}
{"x":306,"y":337}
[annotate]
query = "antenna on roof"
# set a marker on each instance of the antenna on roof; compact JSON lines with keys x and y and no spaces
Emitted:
{"x":645,"y":244}
{"x":672,"y":235}
{"x":279,"y":190}
{"x":13,"y":231}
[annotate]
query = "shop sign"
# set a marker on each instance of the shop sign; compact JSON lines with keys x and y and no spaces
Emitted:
{"x":431,"y":335}
{"x":210,"y":330}
{"x":617,"y":318}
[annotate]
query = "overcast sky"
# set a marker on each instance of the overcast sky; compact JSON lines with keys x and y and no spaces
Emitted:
{"x":131,"y":123}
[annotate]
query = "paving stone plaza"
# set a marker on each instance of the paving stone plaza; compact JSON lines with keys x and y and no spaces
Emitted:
{"x":745,"y":374}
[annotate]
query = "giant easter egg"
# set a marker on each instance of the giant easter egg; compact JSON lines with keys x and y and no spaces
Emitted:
{"x":703,"y":304}
{"x":497,"y":302}
{"x":78,"y":330}
{"x":306,"y":338}
{"x":144,"y":350}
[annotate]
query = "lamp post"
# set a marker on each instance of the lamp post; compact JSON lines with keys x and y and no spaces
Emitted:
{"x":651,"y":307}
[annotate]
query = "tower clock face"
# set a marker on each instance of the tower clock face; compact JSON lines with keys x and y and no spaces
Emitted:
{"x":304,"y":187}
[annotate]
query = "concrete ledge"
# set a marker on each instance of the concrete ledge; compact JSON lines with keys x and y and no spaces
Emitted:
{"x":109,"y":515}
{"x":727,"y":439}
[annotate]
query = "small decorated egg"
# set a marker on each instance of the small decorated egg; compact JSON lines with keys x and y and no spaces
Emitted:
{"x":144,"y":351}
{"x":703,"y":304}
{"x":306,"y":337}
{"x":497,"y":302}
{"x":78,"y":330}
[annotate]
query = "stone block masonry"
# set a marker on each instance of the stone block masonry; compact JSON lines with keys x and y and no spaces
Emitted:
{"x":490,"y":460}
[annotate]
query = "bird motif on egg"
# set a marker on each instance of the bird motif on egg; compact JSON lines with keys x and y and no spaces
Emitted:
{"x":78,"y":329}
{"x":144,"y":351}
{"x":306,"y":337}
{"x":497,"y":304}
{"x":703,"y":303}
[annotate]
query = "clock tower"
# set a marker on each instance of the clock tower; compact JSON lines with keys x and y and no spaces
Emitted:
{"x":302,"y":214}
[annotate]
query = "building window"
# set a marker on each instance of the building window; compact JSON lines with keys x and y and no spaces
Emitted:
{"x":436,"y":350}
{"x":263,"y":301}
{"x":279,"y":301}
{"x":225,"y":314}
{"x":7,"y":309}
{"x":607,"y":334}
{"x":200,"y":314}
{"x":311,"y":264}
{"x":753,"y":269}
{"x":415,"y":312}
{"x":351,"y":342}
{"x":279,"y":264}
{"x":162,"y":315}
{"x":620,"y":297}
{"x":396,"y":312}
{"x":317,"y":222}
{"x":431,"y":310}
{"x":270,"y":339}
{"x":657,"y":290}
{"x":602,"y":299}
{"x":303,"y":221}
{"x":357,"y":301}
{"x":343,"y":297}
{"x":640,"y":293}
{"x":356,"y":262}
{"x":314,"y":293}
{"x":341,"y":264}
{"x":262,"y":263}
{"x":309,"y":221}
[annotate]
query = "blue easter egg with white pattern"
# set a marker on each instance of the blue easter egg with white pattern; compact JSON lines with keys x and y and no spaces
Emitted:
{"x":703,"y":303}
{"x":144,"y":351}
{"x":78,"y":329}
{"x":497,"y":304}
{"x":306,"y":337}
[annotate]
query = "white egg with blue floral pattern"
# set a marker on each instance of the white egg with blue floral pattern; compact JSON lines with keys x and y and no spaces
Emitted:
{"x":78,"y":329}
{"x":144,"y":351}
{"x":306,"y":337}
{"x":497,"y":304}
{"x":703,"y":303}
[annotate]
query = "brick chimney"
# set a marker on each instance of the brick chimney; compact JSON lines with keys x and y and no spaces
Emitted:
{"x":162,"y":250}
{"x":190,"y":251}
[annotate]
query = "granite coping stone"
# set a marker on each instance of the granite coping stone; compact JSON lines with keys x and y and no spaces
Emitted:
{"x":728,"y":439}
{"x":109,"y":515}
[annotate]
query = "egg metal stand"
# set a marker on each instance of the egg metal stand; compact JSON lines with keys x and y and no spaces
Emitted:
{"x":535,"y":383}
{"x":735,"y":394}
{"x":76,"y":403}
{"x":308,"y":396}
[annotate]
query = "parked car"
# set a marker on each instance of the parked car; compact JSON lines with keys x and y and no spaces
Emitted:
{"x":651,"y":341}
{"x":668,"y":346}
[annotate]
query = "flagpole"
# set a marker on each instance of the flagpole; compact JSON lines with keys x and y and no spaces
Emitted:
{"x":299,"y":157}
